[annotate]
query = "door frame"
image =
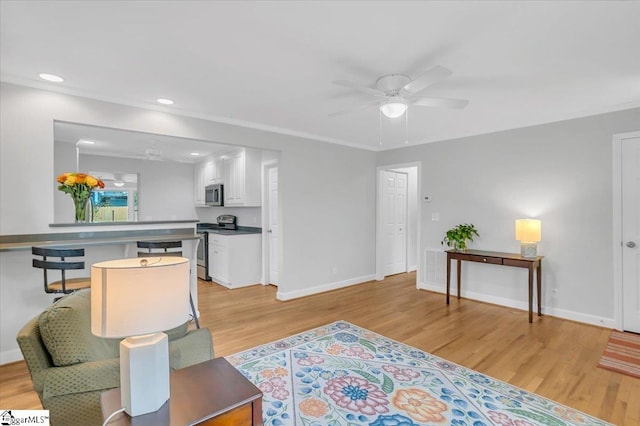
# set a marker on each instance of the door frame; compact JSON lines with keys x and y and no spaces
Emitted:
{"x":379,"y":224}
{"x":266,"y":248}
{"x":618,"y":139}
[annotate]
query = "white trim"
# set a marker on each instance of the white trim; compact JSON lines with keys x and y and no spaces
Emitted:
{"x":379,"y":275}
{"x":323,"y":288}
{"x":12,"y":355}
{"x":617,"y":225}
{"x":266,"y":166}
{"x":518,"y":304}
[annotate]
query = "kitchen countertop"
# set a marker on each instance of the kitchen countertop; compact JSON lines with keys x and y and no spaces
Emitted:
{"x":125,"y":222}
{"x":214,"y":229}
{"x":25,"y":242}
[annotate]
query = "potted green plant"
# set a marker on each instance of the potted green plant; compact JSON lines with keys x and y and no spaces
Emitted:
{"x":457,"y":237}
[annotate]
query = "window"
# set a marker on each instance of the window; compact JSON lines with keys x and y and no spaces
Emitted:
{"x":114,"y":206}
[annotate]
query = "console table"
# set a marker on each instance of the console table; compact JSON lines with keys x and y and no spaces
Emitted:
{"x":497,"y":258}
{"x":211,"y":393}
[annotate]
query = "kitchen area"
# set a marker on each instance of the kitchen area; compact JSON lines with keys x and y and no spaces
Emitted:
{"x":228,"y":196}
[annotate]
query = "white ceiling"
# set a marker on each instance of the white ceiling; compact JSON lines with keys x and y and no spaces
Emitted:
{"x":270,"y":65}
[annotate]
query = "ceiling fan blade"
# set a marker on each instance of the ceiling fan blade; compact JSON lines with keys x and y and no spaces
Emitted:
{"x":347,"y":111}
{"x":441,"y":102}
{"x":428,"y":78}
{"x":364,"y":89}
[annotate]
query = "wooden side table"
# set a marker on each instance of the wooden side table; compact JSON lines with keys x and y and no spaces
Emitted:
{"x":211,"y":393}
{"x":497,"y":258}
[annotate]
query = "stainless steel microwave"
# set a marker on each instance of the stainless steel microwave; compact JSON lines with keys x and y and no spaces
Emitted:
{"x":214,"y":195}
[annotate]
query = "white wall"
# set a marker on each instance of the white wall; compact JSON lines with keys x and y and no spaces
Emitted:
{"x":246,"y":216}
{"x":327,"y":194}
{"x":165,"y":188}
{"x":560,"y":173}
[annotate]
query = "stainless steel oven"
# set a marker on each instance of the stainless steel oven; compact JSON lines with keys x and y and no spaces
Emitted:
{"x":203,"y":256}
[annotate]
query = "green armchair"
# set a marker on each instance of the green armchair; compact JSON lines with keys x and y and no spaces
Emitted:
{"x":70,"y":367}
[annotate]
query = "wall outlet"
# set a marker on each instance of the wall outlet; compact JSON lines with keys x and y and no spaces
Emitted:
{"x":334,"y":270}
{"x":426,"y":198}
{"x":435,"y":217}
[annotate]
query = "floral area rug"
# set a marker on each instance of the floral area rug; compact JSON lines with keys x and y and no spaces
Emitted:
{"x":341,"y":374}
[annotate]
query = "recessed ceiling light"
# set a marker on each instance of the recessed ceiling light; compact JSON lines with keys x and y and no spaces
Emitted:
{"x":165,"y":101}
{"x":195,"y":154}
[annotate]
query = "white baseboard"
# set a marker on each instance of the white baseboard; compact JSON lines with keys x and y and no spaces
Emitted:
{"x":517,"y":304}
{"x":11,"y":355}
{"x":289,"y":295}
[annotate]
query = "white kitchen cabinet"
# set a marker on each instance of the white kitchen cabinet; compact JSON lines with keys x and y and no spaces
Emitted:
{"x":218,"y":171}
{"x":198,"y":184}
{"x":209,"y":172}
{"x":242,"y":178}
{"x":235,"y":260}
{"x":213,"y":171}
{"x":219,"y":263}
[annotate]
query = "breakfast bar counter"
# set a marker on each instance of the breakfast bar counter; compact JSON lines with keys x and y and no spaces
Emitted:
{"x":98,"y":238}
{"x":100,"y":234}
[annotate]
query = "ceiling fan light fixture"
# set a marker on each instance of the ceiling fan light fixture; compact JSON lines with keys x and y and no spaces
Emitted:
{"x":51,"y":77}
{"x":393,"y":107}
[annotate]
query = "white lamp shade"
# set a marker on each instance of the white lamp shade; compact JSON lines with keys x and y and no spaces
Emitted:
{"x":528,"y":230}
{"x":130,"y":299}
{"x":393,"y":108}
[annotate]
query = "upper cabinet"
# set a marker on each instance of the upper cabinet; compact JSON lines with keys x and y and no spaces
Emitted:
{"x":213,"y":171}
{"x":198,"y":184}
{"x":242,"y":178}
{"x":239,"y":172}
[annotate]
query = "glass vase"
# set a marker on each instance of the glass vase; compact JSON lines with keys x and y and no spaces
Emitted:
{"x":81,"y":209}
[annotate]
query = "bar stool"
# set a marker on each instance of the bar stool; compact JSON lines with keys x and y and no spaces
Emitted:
{"x":60,"y":263}
{"x":166,"y":248}
{"x":159,"y":248}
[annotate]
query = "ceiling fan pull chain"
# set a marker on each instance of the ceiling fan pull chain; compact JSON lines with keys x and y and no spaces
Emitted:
{"x":380,"y":125}
{"x":406,"y":125}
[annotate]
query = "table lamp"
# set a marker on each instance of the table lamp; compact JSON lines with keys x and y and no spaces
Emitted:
{"x":528,"y":232}
{"x":138,"y":298}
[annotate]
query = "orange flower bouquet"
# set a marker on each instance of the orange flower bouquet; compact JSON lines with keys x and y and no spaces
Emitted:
{"x":79,"y":187}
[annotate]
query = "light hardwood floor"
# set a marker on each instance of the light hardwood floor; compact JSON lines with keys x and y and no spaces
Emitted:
{"x":552,"y":357}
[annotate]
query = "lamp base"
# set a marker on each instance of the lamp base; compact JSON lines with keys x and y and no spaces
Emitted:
{"x":144,"y":373}
{"x":528,"y":249}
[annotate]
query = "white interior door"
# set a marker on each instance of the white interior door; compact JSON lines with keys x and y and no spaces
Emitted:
{"x":274,"y":229}
{"x":394,"y":216}
{"x":631,"y":234}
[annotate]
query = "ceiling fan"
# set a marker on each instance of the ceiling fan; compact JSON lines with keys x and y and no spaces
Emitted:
{"x":397,"y":91}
